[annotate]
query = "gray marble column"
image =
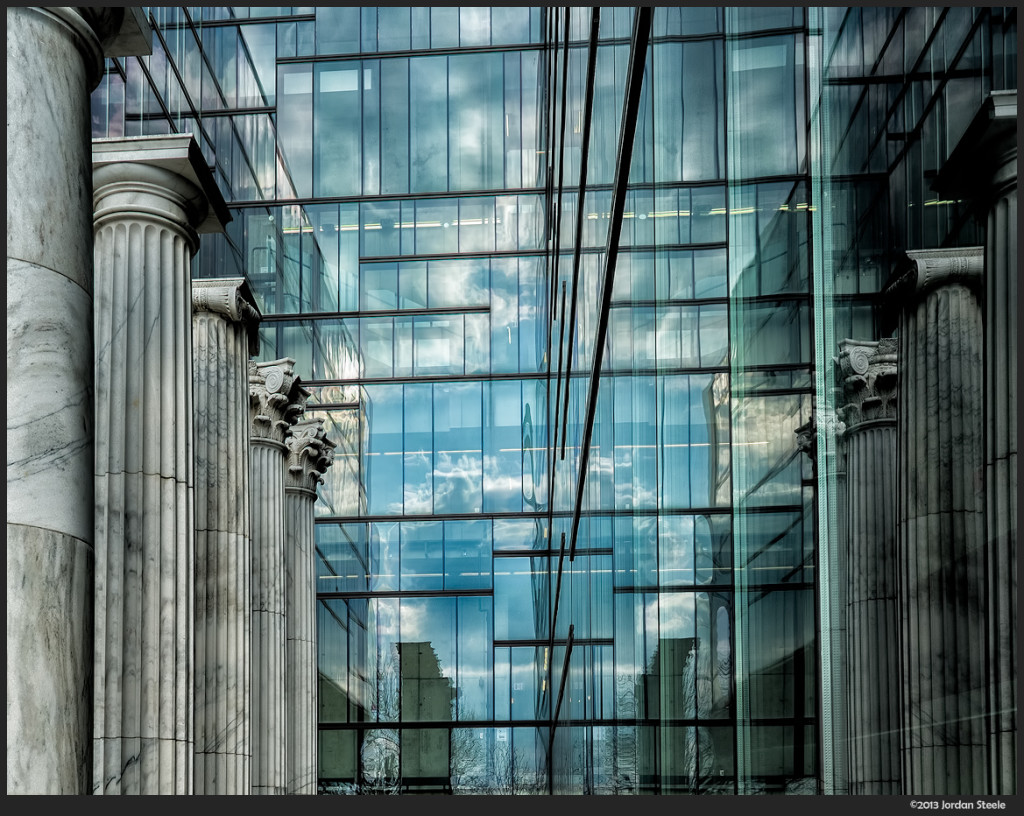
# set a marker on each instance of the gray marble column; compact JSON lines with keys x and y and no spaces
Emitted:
{"x":224,"y":335}
{"x":868,"y":371}
{"x":276,"y":399}
{"x":54,"y":59}
{"x":983,"y":167}
{"x":310,"y":454}
{"x":940,"y":523}
{"x":152,"y":197}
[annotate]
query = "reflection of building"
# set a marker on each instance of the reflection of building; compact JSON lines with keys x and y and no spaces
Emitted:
{"x":426,"y":697}
{"x":564,"y":385}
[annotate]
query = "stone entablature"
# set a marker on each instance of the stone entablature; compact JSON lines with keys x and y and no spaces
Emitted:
{"x":310,"y":454}
{"x":868,"y":369}
{"x":276,"y":399}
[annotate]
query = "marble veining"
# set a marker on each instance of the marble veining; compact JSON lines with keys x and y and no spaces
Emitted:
{"x":222,"y":331}
{"x":145,"y":517}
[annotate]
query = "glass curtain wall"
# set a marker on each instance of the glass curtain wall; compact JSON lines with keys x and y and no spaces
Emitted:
{"x":567,"y":544}
{"x":684,"y":649}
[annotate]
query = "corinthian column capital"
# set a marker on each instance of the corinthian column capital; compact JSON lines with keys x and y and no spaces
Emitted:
{"x":868,"y":370}
{"x":276,"y":399}
{"x":310,"y":453}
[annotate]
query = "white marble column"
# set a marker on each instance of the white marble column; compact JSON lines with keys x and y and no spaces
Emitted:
{"x":276,"y":399}
{"x":868,"y":370}
{"x":224,"y":335}
{"x":152,"y":196}
{"x":940,"y":523}
{"x":54,"y":60}
{"x":310,"y":453}
{"x":983,"y":167}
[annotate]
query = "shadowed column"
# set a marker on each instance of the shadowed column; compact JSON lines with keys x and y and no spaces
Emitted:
{"x":984,"y":167}
{"x":940,"y":523}
{"x":868,"y":372}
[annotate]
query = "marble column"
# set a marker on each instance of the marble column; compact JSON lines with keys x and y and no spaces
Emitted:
{"x":153,"y":195}
{"x":54,"y":59}
{"x":310,"y":453}
{"x":224,"y":335}
{"x":276,"y":400}
{"x":940,"y":523}
{"x":983,"y":167}
{"x":868,"y":371}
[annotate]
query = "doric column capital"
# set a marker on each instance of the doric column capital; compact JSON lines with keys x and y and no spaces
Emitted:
{"x":232,"y":298}
{"x":868,"y":371}
{"x":310,"y":453}
{"x":156,"y":178}
{"x":926,"y":269}
{"x":276,"y":399}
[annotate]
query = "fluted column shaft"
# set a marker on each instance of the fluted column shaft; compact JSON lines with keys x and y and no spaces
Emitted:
{"x":145,"y":222}
{"x":869,"y":385}
{"x":1001,"y":272}
{"x":54,"y":60}
{"x":268,"y":652}
{"x":983,"y":168}
{"x":872,"y":612}
{"x":224,"y":323}
{"x":309,"y":456}
{"x":940,"y":526}
{"x":275,"y":400}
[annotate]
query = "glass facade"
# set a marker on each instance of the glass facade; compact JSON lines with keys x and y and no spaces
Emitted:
{"x":554,"y":279}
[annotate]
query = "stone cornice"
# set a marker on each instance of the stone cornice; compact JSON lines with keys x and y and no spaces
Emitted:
{"x":310,"y":454}
{"x":232,"y":298}
{"x":276,"y":399}
{"x":868,"y":372}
